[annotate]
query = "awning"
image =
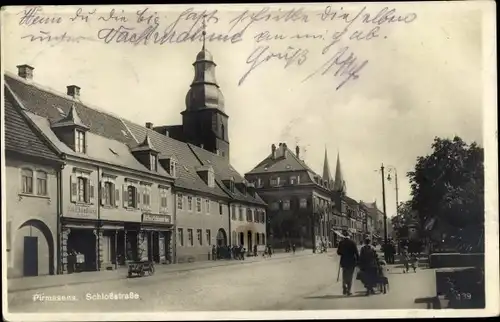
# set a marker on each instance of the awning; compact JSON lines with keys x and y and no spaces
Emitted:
{"x":339,"y":233}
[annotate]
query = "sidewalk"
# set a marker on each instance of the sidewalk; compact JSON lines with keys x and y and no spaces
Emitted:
{"x":406,"y":291}
{"x":40,"y":282}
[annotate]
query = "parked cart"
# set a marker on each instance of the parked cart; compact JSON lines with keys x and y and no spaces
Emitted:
{"x":140,"y":268}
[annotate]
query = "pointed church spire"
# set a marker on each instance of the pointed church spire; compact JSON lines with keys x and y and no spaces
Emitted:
{"x":71,"y":119}
{"x":204,"y":33}
{"x":339,"y":184}
{"x":327,"y":176}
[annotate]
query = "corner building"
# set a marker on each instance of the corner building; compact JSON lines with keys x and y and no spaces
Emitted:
{"x":32,"y":176}
{"x":116,"y":200}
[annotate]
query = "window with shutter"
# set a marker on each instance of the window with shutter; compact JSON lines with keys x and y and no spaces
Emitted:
{"x":102,"y":193}
{"x":137,"y":198}
{"x":74,"y":188}
{"x":91,"y":191}
{"x":125,"y":196}
{"x":117,"y":197}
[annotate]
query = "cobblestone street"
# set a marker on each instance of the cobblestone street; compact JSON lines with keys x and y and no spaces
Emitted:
{"x":304,"y":281}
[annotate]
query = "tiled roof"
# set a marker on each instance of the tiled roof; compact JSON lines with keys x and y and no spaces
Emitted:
{"x":224,"y":171}
{"x":99,"y":148}
{"x":372,"y":208}
{"x":54,"y":105}
{"x":20,"y":135}
{"x":290,"y":163}
{"x":72,"y":119}
{"x":280,"y":164}
{"x":187,"y":176}
{"x":350,"y":201}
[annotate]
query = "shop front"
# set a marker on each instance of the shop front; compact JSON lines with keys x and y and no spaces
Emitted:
{"x":156,"y":238}
{"x":79,"y":239}
{"x":151,"y":239}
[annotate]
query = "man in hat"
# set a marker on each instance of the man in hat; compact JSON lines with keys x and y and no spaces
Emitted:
{"x":349,"y":255}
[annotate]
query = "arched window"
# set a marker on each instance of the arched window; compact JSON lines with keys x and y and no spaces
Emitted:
{"x":27,"y":180}
{"x":222,"y":131}
{"x":41,"y":183}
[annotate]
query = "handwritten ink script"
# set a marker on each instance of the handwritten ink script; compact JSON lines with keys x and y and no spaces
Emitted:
{"x":322,"y":43}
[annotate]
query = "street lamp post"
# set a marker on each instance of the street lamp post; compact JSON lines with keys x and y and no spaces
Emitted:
{"x":396,"y":183}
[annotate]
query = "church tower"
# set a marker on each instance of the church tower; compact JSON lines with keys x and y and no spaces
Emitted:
{"x":204,"y":121}
{"x":339,"y":184}
{"x":327,"y":176}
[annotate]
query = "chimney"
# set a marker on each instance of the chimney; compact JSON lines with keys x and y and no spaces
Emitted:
{"x":25,"y":71}
{"x":73,"y":91}
{"x":285,"y":150}
{"x":166,"y":133}
{"x":297,"y":152}
{"x":149,"y":125}
{"x":273,"y":151}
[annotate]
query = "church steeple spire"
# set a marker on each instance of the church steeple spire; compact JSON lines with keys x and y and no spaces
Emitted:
{"x":339,"y":184}
{"x":327,"y":176}
{"x":204,"y":33}
{"x":204,"y":122}
{"x":204,"y":91}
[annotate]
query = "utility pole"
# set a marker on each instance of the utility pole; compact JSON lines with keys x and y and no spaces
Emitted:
{"x":397,"y":200}
{"x":383,"y":200}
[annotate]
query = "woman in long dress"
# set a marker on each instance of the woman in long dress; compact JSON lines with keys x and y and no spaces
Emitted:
{"x":368,"y":266}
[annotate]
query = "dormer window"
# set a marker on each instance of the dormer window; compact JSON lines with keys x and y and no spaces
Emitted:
{"x":231,"y":185}
{"x":79,"y":141}
{"x":153,"y":162}
{"x":172,"y":167}
{"x":211,"y":179}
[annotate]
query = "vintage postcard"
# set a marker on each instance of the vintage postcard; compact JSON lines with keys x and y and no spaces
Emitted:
{"x":250,"y":161}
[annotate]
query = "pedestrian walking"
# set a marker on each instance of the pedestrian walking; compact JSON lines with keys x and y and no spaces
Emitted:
{"x":255,"y":250}
{"x":293,"y":248}
{"x":214,"y":253}
{"x":348,"y":252}
{"x":368,"y":266}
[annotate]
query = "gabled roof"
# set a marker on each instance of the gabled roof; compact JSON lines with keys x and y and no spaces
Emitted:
{"x":350,"y":201}
{"x":289,"y":164}
{"x":187,"y":176}
{"x":280,"y":164}
{"x":99,"y":148}
{"x":53,"y":105}
{"x":72,"y":119}
{"x":20,"y":135}
{"x":146,"y":145}
{"x":372,"y":208}
{"x":224,"y":171}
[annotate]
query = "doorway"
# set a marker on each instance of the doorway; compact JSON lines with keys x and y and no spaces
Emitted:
{"x":221,"y":238}
{"x":249,"y":240}
{"x":168,"y":253}
{"x":30,"y":267}
{"x":82,"y":246}
{"x":154,"y":246}
{"x":242,"y":239}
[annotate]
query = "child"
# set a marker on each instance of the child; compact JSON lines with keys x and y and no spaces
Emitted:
{"x":414,"y":262}
{"x":382,"y":280}
{"x":406,"y":260}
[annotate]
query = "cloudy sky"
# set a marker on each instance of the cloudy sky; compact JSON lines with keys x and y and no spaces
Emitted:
{"x":421,"y":79}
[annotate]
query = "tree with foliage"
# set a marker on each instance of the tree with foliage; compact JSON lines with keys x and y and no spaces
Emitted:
{"x":448,"y":185}
{"x":402,"y":219}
